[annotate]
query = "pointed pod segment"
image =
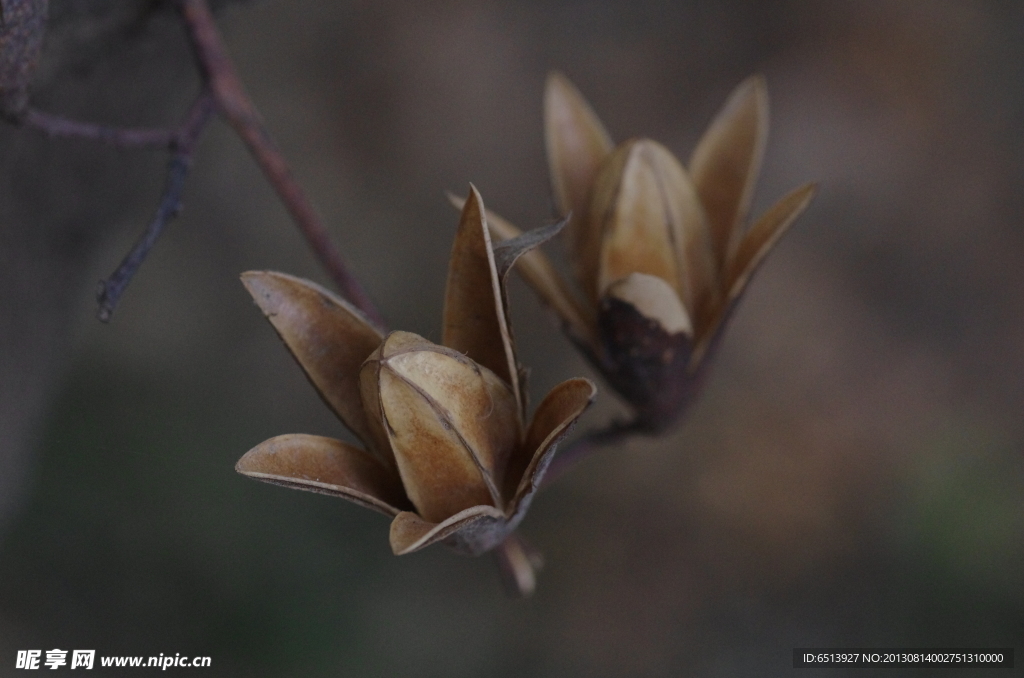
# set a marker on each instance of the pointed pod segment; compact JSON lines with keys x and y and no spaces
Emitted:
{"x":577,"y":143}
{"x":546,"y":281}
{"x":326,"y":466}
{"x":763,"y":235}
{"x":554,"y":418}
{"x":727,"y":160}
{"x":475,"y":320}
{"x":748,"y":257}
{"x":577,"y":147}
{"x":329,"y":338}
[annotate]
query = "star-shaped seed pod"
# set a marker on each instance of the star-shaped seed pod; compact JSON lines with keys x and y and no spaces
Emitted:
{"x":447,"y":452}
{"x":661,"y":253}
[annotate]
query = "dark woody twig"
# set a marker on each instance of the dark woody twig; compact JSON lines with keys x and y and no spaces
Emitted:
{"x":224,"y":93}
{"x":58,"y":127}
{"x":184,"y":144}
{"x":234,"y":104}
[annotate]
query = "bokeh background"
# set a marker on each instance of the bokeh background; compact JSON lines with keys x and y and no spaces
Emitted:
{"x":852,"y":476}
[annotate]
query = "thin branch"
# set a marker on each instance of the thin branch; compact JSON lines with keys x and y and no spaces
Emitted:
{"x":184,"y":141}
{"x":56,"y":126}
{"x":231,"y":101}
{"x":234,"y":104}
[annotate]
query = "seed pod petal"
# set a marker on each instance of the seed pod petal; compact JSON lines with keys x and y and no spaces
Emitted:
{"x":479,"y":406}
{"x":540,"y":274}
{"x":577,"y":144}
{"x":577,"y":147}
{"x":763,"y":235}
{"x":749,"y":255}
{"x":369,"y":389}
{"x":652,"y":223}
{"x":473,"y":531}
{"x":441,"y":473}
{"x":727,"y":160}
{"x":326,"y":466}
{"x":329,"y":338}
{"x":475,"y":321}
{"x":554,"y":418}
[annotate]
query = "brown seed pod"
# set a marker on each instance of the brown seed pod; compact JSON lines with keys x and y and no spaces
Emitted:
{"x":448,"y":451}
{"x":660,"y":252}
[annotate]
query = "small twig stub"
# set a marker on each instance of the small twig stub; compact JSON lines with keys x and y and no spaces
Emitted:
{"x":184,"y":143}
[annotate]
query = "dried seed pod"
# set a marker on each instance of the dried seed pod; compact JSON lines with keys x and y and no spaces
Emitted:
{"x":661,"y":254}
{"x":451,"y":423}
{"x":448,"y":451}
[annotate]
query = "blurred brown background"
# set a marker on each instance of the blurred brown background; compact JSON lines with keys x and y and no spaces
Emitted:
{"x":852,"y":476}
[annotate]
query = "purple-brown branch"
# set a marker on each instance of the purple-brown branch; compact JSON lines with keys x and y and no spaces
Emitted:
{"x":59,"y":127}
{"x":224,"y":93}
{"x":184,"y":141}
{"x":234,"y":104}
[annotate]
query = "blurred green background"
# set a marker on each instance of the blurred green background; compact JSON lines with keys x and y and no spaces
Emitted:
{"x":852,"y":476}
